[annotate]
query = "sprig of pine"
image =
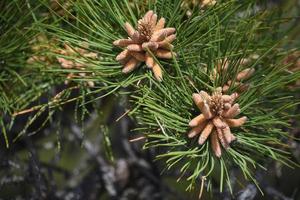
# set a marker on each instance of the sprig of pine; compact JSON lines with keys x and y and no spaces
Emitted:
{"x":228,"y":31}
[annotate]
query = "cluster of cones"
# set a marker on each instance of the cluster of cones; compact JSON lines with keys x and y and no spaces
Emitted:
{"x":237,"y":82}
{"x":75,"y":52}
{"x":45,"y":49}
{"x":149,"y":41}
{"x":41,"y":45}
{"x":218,"y":113}
{"x":218,"y":110}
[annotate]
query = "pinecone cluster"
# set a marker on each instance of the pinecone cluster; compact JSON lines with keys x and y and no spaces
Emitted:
{"x":40,"y":45}
{"x":237,"y":82}
{"x":150,"y":39}
{"x":216,"y":118}
{"x":75,"y":52}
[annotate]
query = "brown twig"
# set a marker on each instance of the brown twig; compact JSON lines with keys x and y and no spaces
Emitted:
{"x":203,"y":179}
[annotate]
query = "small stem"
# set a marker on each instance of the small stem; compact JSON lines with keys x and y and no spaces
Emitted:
{"x":203,"y":179}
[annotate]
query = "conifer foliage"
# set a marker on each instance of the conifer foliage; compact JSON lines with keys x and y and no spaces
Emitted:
{"x":220,"y":93}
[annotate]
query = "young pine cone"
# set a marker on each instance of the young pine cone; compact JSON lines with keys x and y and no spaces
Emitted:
{"x":150,"y":38}
{"x":237,"y":81}
{"x":218,"y":112}
{"x":71,"y":64}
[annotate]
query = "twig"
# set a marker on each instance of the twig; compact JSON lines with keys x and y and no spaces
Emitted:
{"x":123,"y":115}
{"x":55,"y":99}
{"x":203,"y":179}
{"x":26,"y":111}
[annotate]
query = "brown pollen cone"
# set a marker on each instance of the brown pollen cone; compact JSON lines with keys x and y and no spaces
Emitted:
{"x":71,"y":64}
{"x":216,"y":119}
{"x":150,"y":38}
{"x":40,"y":45}
{"x":238,"y":80}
